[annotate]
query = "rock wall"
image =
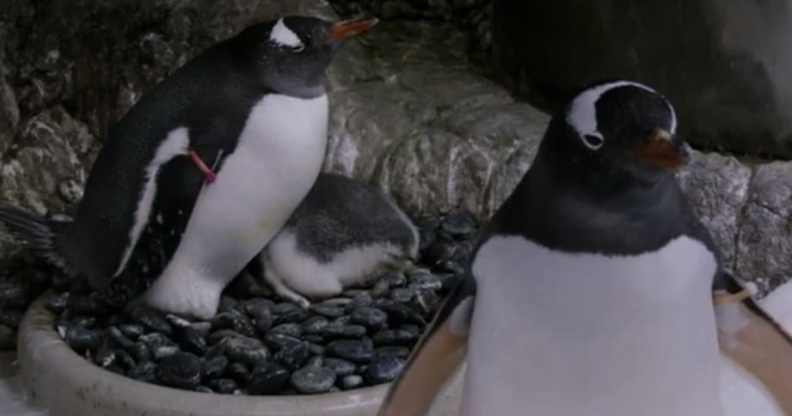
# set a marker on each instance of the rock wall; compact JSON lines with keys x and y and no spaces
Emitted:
{"x":725,"y":64}
{"x":410,"y":111}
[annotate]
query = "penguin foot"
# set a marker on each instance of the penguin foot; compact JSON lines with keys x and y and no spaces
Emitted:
{"x":210,"y":175}
{"x":723,"y":298}
{"x":284,"y":291}
{"x":184,"y":293}
{"x":290,"y":295}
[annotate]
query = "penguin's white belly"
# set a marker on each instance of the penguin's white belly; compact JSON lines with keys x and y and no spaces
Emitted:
{"x":561,"y":334}
{"x":276,"y":161}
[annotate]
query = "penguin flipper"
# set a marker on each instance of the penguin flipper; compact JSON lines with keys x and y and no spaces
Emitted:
{"x":754,"y":340}
{"x":436,"y":358}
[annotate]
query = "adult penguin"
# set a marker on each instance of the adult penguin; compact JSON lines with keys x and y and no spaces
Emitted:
{"x":255,"y":106}
{"x":591,"y":291}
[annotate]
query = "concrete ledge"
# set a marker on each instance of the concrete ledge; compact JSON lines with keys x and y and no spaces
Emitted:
{"x":68,"y":385}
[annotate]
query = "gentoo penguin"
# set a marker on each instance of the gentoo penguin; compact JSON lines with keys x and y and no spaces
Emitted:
{"x":591,"y":290}
{"x":343,"y":232}
{"x":254,"y":106}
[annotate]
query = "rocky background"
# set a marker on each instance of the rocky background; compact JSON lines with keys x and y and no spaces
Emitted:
{"x":415,"y":108}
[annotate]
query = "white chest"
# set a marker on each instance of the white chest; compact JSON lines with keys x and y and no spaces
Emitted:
{"x":560,"y":334}
{"x":276,"y":161}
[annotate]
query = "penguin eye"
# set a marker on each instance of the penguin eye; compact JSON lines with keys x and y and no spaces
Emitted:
{"x":593,"y":141}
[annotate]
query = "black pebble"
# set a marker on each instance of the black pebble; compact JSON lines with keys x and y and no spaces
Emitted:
{"x":245,"y":349}
{"x":399,"y":313}
{"x":141,"y":352}
{"x":384,"y":369}
{"x":391,"y":351}
{"x":288,"y":312}
{"x":234,"y":320}
{"x":279,"y":341}
{"x":164,"y":351}
{"x":82,"y":339}
{"x":402,"y":295}
{"x":132,"y":331}
{"x":340,"y":367}
{"x":316,"y":349}
{"x":261,"y":313}
{"x":155,"y":340}
{"x":180,"y":370}
{"x":238,"y":372}
{"x":215,"y":367}
{"x":290,"y":329}
{"x":335,"y":330}
{"x":394,"y":337}
{"x":223,"y":385}
{"x":315,"y":324}
{"x":313,"y":379}
{"x":191,"y":340}
{"x":227,"y":304}
{"x":351,"y":381}
{"x":177,"y":321}
{"x":120,"y":339}
{"x":124,"y":359}
{"x":327,"y":310}
{"x":352,"y":350}
{"x":151,"y":319}
{"x":369,"y":317}
{"x":268,"y":378}
{"x":360,"y":300}
{"x":293,"y":356}
{"x":145,"y":371}
{"x":218,"y":336}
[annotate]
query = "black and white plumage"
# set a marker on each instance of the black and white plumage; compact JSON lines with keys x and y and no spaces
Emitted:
{"x":591,"y":291}
{"x":254,"y":106}
{"x":343,"y":232}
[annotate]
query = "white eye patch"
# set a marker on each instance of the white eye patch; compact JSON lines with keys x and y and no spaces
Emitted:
{"x":281,"y":35}
{"x":582,"y":113}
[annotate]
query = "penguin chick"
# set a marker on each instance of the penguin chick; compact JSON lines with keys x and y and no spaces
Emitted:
{"x":343,"y":232}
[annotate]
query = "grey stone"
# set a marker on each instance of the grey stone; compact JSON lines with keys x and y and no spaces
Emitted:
{"x":9,"y":113}
{"x":764,"y":244}
{"x":53,"y":148}
{"x":425,"y":126}
{"x":717,"y":188}
{"x":180,"y":370}
{"x":313,"y":379}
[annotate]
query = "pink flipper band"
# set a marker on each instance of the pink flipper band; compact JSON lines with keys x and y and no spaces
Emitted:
{"x":210,"y":175}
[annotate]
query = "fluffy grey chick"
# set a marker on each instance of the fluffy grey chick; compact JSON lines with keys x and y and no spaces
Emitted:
{"x":341,"y":233}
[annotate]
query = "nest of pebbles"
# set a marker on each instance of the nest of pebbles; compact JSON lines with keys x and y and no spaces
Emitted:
{"x":260,"y":345}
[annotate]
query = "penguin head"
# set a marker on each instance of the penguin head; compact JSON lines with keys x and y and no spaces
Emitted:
{"x":618,"y":131}
{"x":290,"y":55}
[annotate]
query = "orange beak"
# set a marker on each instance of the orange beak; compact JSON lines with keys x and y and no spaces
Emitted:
{"x":659,"y":151}
{"x":349,"y":28}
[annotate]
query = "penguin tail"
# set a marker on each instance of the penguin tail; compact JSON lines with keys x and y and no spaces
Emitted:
{"x":37,"y":232}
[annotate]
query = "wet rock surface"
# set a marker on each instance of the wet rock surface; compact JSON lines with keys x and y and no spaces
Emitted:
{"x":731,"y":60}
{"x":764,"y":244}
{"x":264,"y":346}
{"x":717,"y":188}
